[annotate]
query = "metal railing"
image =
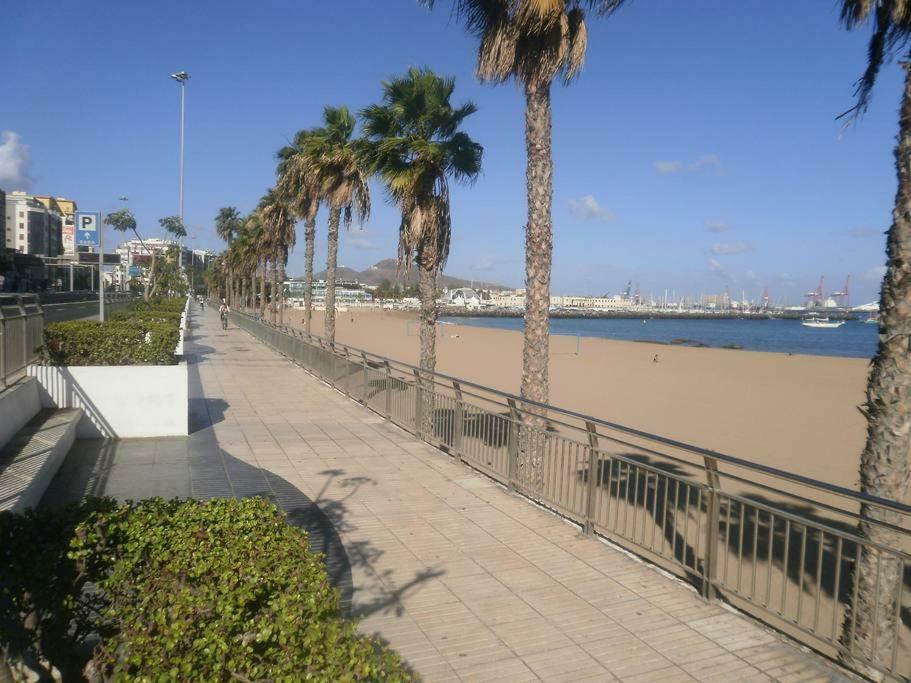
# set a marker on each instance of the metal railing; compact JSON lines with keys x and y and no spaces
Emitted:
{"x":783,"y":547}
{"x":21,"y":333}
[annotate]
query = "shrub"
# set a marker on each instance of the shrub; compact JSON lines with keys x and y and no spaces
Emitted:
{"x":122,"y":342}
{"x":143,"y":334}
{"x":183,"y":590}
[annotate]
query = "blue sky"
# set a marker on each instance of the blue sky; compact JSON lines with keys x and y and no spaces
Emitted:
{"x":698,"y":150}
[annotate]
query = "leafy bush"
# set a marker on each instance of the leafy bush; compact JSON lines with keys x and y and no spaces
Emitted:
{"x":178,"y":590}
{"x":144,"y":334}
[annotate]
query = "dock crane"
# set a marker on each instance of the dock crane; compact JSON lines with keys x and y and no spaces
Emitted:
{"x":816,"y":298}
{"x":842,"y":296}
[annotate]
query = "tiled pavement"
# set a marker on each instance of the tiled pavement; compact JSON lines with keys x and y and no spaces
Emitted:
{"x":467,"y":582}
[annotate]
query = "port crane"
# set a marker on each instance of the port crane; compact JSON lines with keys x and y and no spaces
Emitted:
{"x":842,"y":296}
{"x":816,"y":298}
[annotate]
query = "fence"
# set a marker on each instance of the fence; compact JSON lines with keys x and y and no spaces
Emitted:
{"x":785,"y":548}
{"x":21,"y":333}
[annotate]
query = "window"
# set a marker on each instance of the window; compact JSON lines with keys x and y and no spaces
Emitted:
{"x":22,"y":214}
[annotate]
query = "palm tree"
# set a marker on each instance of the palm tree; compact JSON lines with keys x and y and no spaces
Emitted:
{"x":534,"y":42}
{"x":415,"y":146}
{"x":884,"y":464}
{"x":228,"y":223}
{"x":299,"y":184}
{"x":122,"y":221}
{"x":340,"y":170}
{"x":278,"y":221}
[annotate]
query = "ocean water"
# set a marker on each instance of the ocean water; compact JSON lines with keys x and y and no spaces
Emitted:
{"x":854,"y":339}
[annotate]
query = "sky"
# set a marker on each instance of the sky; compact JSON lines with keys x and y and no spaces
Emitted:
{"x":698,"y":150}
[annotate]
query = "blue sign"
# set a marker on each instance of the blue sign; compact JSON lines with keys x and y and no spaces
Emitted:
{"x":135,"y":271}
{"x":88,"y":226}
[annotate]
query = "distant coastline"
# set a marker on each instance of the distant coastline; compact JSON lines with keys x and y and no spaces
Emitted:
{"x":461,"y":312}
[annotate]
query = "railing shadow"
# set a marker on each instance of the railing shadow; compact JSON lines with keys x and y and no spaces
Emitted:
{"x":58,"y":387}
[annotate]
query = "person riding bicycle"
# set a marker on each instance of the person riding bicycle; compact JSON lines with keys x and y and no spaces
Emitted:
{"x":223,"y":311}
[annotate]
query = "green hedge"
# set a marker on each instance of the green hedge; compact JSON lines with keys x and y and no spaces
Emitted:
{"x":143,"y":334}
{"x":177,"y":590}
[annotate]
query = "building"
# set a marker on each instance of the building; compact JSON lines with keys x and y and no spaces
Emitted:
{"x":463,"y":297}
{"x":2,"y":219}
{"x":136,"y":258}
{"x":67,"y":209}
{"x":31,"y":226}
{"x":347,"y":293}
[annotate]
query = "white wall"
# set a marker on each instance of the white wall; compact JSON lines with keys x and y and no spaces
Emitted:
{"x":18,"y":404}
{"x":122,"y":402}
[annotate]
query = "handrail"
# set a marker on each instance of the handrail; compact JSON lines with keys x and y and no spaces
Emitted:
{"x":20,"y":333}
{"x":776,"y":540}
{"x":768,"y":470}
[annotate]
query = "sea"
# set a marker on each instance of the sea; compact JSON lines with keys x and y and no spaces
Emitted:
{"x":854,"y":339}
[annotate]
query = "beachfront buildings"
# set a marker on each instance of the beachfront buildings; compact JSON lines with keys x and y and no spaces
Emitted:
{"x":31,"y":226}
{"x":516,"y":299}
{"x":347,"y":293}
{"x":136,"y":257}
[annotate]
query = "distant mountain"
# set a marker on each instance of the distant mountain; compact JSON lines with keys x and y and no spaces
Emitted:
{"x":386,"y":270}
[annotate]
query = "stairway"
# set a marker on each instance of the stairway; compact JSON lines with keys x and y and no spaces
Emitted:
{"x":33,"y":444}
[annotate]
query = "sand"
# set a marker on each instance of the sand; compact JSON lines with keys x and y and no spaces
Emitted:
{"x":799,"y":413}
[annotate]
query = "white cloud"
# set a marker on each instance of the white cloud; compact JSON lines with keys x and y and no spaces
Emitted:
{"x":716,"y":268}
{"x":14,"y":162}
{"x":483,"y":263}
{"x":587,"y":207}
{"x":875,"y":274}
{"x":716,"y":226}
{"x":676,"y":166}
{"x":864,"y":233}
{"x":359,"y":239}
{"x":728,"y":248}
{"x":668,"y":166}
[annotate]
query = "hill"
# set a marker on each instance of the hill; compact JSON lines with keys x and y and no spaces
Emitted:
{"x":386,"y":270}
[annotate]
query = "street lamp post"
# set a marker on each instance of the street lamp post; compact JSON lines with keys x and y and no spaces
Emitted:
{"x":181,"y":77}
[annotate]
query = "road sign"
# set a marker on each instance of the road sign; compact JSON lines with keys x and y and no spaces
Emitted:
{"x":88,"y":227}
{"x":135,"y":271}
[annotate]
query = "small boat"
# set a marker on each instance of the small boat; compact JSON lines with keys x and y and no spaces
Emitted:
{"x":871,"y":321}
{"x":815,"y":321}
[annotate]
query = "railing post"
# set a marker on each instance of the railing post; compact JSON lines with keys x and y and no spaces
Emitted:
{"x":2,"y":348}
{"x":709,"y":591}
{"x":594,"y":478}
{"x":388,"y":409}
{"x":418,"y":404}
{"x":365,"y":392}
{"x":346,"y":377}
{"x":24,"y":332}
{"x":513,"y":446}
{"x":458,"y":421}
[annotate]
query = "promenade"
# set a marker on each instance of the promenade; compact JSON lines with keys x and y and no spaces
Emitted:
{"x":466,"y":581}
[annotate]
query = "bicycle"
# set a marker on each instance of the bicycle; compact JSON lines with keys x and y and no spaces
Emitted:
{"x":224,"y":321}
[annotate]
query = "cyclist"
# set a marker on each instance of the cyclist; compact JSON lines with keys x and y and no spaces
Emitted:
{"x":223,"y":311}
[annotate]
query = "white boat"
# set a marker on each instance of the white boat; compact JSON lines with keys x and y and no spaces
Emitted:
{"x":815,"y":321}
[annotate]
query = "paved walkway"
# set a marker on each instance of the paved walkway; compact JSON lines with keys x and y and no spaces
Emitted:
{"x":467,"y":582}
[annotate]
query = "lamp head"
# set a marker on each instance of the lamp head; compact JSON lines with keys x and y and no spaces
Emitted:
{"x":181,"y":76}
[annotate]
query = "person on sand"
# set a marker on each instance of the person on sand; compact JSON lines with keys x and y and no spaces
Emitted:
{"x":655,"y":359}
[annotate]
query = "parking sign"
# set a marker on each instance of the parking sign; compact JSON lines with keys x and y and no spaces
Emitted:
{"x":87,"y":229}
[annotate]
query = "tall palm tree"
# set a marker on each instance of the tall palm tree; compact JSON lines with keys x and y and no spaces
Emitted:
{"x":228,"y":222}
{"x":340,"y":169}
{"x":884,"y":464}
{"x":415,"y":145}
{"x":298,"y":182}
{"x":277,"y":219}
{"x":534,"y":42}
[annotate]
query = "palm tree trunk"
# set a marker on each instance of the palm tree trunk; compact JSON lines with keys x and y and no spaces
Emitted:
{"x":428,"y":281}
{"x":538,"y":256}
{"x":274,"y":300}
{"x":335,"y":214}
{"x":309,"y":239}
{"x":281,"y":288}
{"x":243,"y":293}
{"x":251,"y":297}
{"x":262,"y":289}
{"x":884,"y":464}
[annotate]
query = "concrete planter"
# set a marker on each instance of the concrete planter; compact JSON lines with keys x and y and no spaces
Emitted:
{"x":119,"y":402}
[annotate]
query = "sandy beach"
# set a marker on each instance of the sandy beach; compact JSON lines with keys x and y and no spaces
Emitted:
{"x":796,"y":412}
